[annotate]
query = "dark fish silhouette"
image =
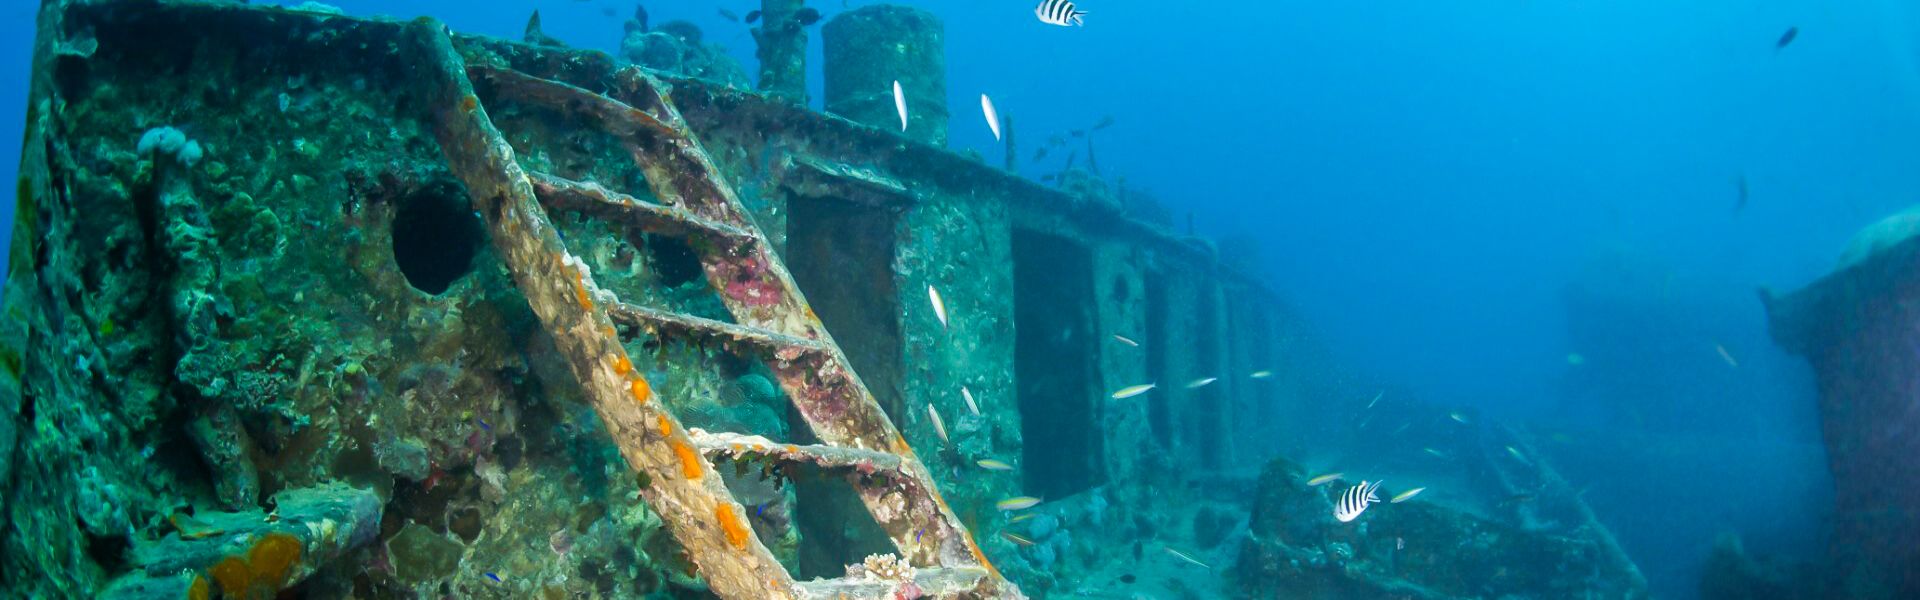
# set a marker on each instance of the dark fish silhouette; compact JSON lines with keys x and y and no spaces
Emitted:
{"x":1105,"y":122}
{"x":640,"y":15}
{"x":728,"y":15}
{"x":753,"y":16}
{"x":607,"y":11}
{"x":1787,"y":38}
{"x":1741,"y":203}
{"x":807,"y":16}
{"x":1040,"y":154}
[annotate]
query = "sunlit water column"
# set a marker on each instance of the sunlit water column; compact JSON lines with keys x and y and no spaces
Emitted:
{"x":868,"y":49}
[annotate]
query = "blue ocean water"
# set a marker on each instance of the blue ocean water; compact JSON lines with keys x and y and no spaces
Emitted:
{"x":1428,"y":180}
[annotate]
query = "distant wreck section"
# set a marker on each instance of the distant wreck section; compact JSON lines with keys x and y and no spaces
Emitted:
{"x":262,"y":333}
{"x":1860,"y":328}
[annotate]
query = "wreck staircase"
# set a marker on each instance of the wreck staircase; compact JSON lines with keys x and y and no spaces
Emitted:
{"x":773,"y":322}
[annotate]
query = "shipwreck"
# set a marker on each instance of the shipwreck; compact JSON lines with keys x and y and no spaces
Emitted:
{"x":362,"y":307}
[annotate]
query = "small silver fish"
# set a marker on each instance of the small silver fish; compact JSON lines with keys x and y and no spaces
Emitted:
{"x":1435,"y":453}
{"x":1726,"y":356}
{"x":1261,"y":374}
{"x":1324,"y":479}
{"x":971,"y":406}
{"x":993,"y":116}
{"x":1459,"y":418}
{"x":1183,"y":556}
{"x":1011,"y":537}
{"x":1201,"y":382}
{"x":1376,"y":399}
{"x":1124,"y":340}
{"x":1131,"y":391}
{"x":994,"y":465}
{"x":1406,"y":495}
{"x":1059,"y":12}
{"x":900,"y":104}
{"x":1518,"y":456}
{"x":1017,"y":503}
{"x":939,"y":307}
{"x":939,"y":427}
{"x":1355,"y":501}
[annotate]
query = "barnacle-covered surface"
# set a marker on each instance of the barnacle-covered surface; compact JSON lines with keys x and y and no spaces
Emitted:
{"x":322,"y":361}
{"x":291,"y":291}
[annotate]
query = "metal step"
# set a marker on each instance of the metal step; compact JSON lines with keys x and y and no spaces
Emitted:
{"x":615,"y":116}
{"x":736,"y":446}
{"x":660,"y":322}
{"x":597,"y":201}
{"x":930,"y":582}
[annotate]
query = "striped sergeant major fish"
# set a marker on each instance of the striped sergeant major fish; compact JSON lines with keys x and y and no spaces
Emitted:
{"x":1355,"y":501}
{"x":1059,"y":12}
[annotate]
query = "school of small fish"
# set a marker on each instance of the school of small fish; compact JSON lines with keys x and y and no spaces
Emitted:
{"x":1348,"y":506}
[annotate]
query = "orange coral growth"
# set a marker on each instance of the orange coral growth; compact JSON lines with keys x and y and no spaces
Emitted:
{"x":981,"y":556}
{"x":730,"y":523}
{"x":665,"y":424}
{"x":273,"y":558}
{"x":622,"y":365}
{"x":469,"y":103}
{"x":580,"y":290}
{"x":689,"y":460}
{"x":200,"y":589}
{"x":640,"y":390}
{"x":233,"y":576}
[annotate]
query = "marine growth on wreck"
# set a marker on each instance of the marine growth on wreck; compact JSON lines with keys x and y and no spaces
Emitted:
{"x":305,"y":303}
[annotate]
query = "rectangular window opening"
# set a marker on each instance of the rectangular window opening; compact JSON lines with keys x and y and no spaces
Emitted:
{"x":841,"y":255}
{"x":1056,"y":369}
{"x":1159,"y":414}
